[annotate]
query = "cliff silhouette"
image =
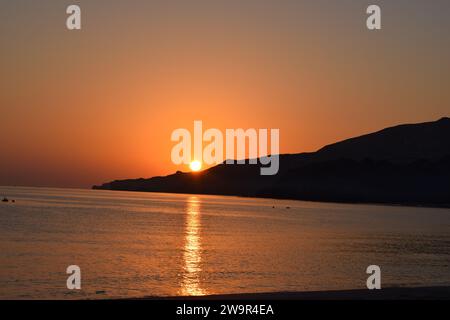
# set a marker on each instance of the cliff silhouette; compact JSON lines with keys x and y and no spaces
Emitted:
{"x":407,"y":164}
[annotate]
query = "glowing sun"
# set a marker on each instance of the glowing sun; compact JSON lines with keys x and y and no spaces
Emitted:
{"x":195,"y":165}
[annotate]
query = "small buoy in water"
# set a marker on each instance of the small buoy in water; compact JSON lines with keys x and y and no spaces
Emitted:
{"x":5,"y":200}
{"x":273,"y":207}
{"x":13,"y":201}
{"x":288,"y":207}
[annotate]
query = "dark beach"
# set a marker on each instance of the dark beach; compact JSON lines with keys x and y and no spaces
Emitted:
{"x":420,"y":293}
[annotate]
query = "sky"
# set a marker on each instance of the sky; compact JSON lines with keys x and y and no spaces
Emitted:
{"x":83,"y":107}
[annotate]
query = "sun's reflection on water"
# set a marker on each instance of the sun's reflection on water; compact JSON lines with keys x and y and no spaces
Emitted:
{"x":192,"y":250}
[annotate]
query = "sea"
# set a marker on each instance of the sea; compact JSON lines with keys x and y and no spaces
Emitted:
{"x":135,"y":244}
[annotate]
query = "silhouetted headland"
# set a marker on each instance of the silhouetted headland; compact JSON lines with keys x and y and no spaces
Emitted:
{"x":407,"y":164}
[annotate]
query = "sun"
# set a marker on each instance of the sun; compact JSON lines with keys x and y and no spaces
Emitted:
{"x":195,"y":165}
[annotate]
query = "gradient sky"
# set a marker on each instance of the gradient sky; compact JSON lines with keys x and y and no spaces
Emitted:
{"x":85,"y":107}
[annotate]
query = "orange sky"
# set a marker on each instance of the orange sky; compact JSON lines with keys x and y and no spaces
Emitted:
{"x":84,"y":107}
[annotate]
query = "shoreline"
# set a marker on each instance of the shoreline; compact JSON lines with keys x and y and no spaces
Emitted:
{"x":392,"y":293}
{"x":390,"y":204}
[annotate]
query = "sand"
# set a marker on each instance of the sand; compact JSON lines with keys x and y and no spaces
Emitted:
{"x":421,"y":293}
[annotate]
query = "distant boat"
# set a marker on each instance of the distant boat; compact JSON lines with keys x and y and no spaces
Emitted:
{"x":5,"y":200}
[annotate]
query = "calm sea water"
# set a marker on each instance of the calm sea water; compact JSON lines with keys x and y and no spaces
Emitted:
{"x":131,"y":244}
